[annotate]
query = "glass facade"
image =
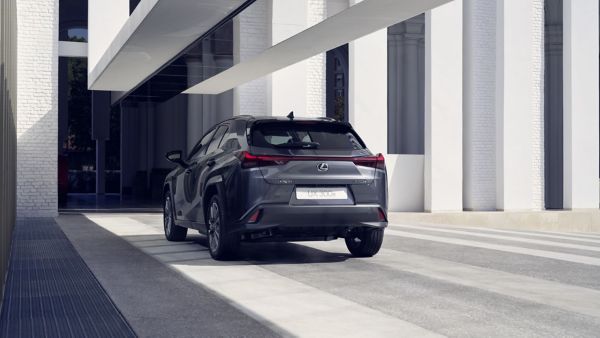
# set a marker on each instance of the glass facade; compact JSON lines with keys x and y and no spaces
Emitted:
{"x":337,"y":83}
{"x":77,"y":150}
{"x":73,"y":22}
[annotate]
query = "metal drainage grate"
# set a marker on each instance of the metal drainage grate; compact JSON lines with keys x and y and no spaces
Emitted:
{"x":50,"y":291}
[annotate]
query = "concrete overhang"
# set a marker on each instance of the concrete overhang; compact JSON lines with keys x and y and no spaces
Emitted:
{"x":155,"y":33}
{"x":359,"y":20}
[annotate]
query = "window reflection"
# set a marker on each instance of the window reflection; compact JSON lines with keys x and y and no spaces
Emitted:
{"x":73,"y":21}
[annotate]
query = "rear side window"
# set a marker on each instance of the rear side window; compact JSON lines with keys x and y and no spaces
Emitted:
{"x":305,"y":135}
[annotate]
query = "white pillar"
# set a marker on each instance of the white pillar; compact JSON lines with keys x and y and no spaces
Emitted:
{"x":367,"y":96}
{"x":316,"y":65}
{"x":515,"y":99}
{"x":581,"y":151}
{"x":251,"y":36}
{"x":443,"y":108}
{"x":479,"y":113}
{"x":288,"y":85}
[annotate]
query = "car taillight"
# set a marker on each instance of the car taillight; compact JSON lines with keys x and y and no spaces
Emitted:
{"x":255,"y":216}
{"x":377,"y":161}
{"x":254,"y":161}
{"x":381,"y":215}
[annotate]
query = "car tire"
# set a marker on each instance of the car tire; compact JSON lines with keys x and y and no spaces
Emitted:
{"x":221,"y":245}
{"x":173,"y":232}
{"x":364,"y":242}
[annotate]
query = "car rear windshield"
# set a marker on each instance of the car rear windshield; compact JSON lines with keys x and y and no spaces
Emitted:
{"x":305,"y":135}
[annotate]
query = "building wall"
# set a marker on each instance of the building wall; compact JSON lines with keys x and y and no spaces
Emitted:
{"x":37,"y":104}
{"x":316,"y":81}
{"x":537,"y":136}
{"x":251,"y":37}
{"x":8,"y":137}
{"x":479,"y":124}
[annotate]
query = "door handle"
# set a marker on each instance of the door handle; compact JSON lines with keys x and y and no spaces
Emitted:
{"x":210,"y":162}
{"x":188,"y":171}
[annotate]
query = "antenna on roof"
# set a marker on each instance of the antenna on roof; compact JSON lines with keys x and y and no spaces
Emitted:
{"x":291,"y":115}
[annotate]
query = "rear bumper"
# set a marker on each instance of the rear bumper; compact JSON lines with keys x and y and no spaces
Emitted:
{"x":308,"y":222}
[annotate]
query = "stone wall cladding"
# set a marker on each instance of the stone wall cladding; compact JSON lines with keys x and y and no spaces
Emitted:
{"x":254,"y":38}
{"x":316,"y":67}
{"x":479,"y":105}
{"x":37,"y":108}
{"x":537,"y":141}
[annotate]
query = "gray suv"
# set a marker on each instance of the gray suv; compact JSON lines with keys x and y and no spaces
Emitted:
{"x":252,"y":179}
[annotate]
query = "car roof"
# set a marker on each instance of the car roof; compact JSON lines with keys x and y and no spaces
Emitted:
{"x":283,"y":118}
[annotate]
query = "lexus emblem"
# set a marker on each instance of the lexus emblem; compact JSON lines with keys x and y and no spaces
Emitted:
{"x":322,"y":166}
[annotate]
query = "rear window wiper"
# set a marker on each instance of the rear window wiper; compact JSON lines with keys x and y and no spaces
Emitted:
{"x":298,"y":145}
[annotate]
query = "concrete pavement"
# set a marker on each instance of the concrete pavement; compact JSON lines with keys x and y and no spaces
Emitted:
{"x":426,"y":281}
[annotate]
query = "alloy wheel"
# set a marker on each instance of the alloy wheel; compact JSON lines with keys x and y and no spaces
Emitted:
{"x":214,"y":227}
{"x":168,"y":216}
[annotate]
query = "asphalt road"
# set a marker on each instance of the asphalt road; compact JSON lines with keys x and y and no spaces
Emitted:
{"x":426,"y":281}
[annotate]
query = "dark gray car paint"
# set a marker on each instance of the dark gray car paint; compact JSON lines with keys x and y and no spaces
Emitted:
{"x":272,"y":189}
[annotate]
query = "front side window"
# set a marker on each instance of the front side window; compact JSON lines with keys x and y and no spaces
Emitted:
{"x":200,"y":147}
{"x":214,"y":144}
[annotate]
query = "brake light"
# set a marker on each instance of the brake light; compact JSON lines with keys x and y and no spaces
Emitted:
{"x":377,"y":161}
{"x":381,"y":215}
{"x":255,"y":216}
{"x":254,"y":161}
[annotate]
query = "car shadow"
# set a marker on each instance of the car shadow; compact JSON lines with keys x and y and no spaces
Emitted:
{"x":277,"y":253}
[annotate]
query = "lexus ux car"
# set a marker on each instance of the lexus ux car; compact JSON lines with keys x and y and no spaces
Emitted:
{"x":253,"y":179}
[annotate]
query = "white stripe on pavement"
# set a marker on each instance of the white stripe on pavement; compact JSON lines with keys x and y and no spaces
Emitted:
{"x":285,"y":305}
{"x":557,"y":235}
{"x":544,"y":235}
{"x":510,"y":238}
{"x":567,"y":297}
{"x":499,"y":247}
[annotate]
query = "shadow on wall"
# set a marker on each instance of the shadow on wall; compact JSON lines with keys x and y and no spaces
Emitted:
{"x":37,"y":158}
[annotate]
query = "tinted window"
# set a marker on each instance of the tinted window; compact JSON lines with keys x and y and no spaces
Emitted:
{"x":325,"y":136}
{"x":214,"y":144}
{"x":200,"y":147}
{"x":230,"y":141}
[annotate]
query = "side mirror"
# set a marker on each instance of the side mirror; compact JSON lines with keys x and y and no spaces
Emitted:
{"x":176,"y":157}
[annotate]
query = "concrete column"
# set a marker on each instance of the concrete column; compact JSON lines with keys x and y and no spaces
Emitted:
{"x":195,"y":103}
{"x":443,"y":108}
{"x":479,"y":119}
{"x":367,"y":96}
{"x":581,"y":123}
{"x":288,"y":85}
{"x":515,"y":102}
{"x":316,"y":66}
{"x":251,"y":36}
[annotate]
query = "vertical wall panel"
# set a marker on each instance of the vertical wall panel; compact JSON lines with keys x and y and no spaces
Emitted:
{"x":8,"y":136}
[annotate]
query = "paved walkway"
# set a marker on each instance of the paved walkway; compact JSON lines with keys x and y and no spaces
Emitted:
{"x":50,"y":292}
{"x":426,"y":281}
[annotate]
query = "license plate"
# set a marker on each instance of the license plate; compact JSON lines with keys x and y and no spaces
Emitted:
{"x":321,"y":193}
